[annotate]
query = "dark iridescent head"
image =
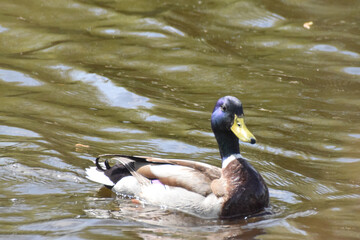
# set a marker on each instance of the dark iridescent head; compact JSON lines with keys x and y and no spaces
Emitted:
{"x":227,"y":121}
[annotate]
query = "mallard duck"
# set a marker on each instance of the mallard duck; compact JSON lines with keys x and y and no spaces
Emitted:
{"x":234,"y":190}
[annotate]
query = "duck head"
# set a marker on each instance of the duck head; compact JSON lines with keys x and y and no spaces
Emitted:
{"x":228,"y":125}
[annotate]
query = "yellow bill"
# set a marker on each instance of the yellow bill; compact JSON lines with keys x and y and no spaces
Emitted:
{"x":240,"y":130}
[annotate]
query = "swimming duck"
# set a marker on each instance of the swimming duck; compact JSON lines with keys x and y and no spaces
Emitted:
{"x":234,"y":190}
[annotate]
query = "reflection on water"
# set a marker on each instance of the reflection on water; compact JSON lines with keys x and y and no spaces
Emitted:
{"x":116,"y":96}
{"x":82,"y":78}
{"x":352,"y":70}
{"x":17,"y":77}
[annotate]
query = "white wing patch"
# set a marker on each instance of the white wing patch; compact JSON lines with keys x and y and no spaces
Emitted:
{"x":98,"y":176}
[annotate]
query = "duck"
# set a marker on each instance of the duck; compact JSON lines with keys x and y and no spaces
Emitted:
{"x":236,"y":189}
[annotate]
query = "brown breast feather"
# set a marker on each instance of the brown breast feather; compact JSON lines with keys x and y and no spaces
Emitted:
{"x":246,"y":191}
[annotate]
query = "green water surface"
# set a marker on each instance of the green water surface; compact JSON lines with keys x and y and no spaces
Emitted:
{"x":142,"y":77}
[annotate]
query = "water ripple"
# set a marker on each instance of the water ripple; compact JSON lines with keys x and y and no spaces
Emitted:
{"x":18,"y":78}
{"x":246,"y":14}
{"x":3,"y":29}
{"x":15,"y":131}
{"x":115,"y":95}
{"x":352,"y":70}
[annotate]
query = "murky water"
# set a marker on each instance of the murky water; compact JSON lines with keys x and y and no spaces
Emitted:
{"x":141,"y":77}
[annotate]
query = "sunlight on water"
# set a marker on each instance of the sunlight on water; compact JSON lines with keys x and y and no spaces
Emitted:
{"x":3,"y":29}
{"x":19,"y":78}
{"x":116,"y":96}
{"x":14,"y":131}
{"x":352,"y":70}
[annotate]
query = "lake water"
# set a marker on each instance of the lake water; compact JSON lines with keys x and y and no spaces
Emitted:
{"x":82,"y":78}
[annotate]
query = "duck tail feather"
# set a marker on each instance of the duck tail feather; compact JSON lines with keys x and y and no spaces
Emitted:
{"x":98,"y":166}
{"x":129,"y":165}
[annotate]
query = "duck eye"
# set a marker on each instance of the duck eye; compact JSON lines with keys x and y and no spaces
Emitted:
{"x":223,"y":108}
